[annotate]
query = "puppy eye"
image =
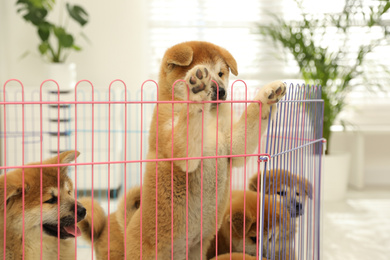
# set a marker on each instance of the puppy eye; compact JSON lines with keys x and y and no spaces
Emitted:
{"x":220,"y":74}
{"x":254,"y":239}
{"x":69,"y":192}
{"x":297,"y":193}
{"x":281,"y":193}
{"x":52,"y":200}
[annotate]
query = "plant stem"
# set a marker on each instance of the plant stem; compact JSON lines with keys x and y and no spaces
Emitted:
{"x":59,"y":52}
{"x":52,"y":53}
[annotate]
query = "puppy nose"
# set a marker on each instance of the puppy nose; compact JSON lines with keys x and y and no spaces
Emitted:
{"x":221,"y":92}
{"x":81,"y":212}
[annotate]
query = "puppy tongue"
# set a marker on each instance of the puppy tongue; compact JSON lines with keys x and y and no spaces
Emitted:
{"x":72,"y":230}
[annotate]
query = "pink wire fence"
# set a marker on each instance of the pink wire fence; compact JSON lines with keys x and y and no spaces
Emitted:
{"x":293,"y":143}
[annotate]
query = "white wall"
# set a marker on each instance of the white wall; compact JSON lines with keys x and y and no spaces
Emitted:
{"x":2,"y":38}
{"x":118,"y":49}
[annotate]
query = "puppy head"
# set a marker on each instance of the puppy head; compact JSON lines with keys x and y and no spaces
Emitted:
{"x":50,"y":194}
{"x":182,"y":57}
{"x":276,"y":223}
{"x":290,"y":188}
{"x":244,"y":225}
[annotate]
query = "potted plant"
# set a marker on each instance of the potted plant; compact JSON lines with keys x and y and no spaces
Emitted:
{"x":56,"y":42}
{"x":322,"y":61}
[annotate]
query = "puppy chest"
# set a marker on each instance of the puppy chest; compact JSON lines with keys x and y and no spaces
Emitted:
{"x":204,"y":187}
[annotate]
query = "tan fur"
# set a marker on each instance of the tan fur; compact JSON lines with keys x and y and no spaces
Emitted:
{"x":292,"y":189}
{"x":276,"y":219}
{"x":32,"y":210}
{"x":117,"y":225}
{"x":186,"y":61}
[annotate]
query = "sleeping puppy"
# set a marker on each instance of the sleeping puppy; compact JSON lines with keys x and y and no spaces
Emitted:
{"x":117,"y":225}
{"x":276,"y":231}
{"x":203,"y":72}
{"x":69,"y":214}
{"x":291,"y":188}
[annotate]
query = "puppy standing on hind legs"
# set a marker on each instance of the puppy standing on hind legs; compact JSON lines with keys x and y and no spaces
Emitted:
{"x":197,"y":63}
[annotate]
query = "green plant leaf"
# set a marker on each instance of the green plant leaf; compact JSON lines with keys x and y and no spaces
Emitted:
{"x":386,"y":7}
{"x":44,"y":31}
{"x":59,"y":31}
{"x":76,"y":48}
{"x":47,"y":4}
{"x":37,"y":3}
{"x":65,"y":40}
{"x":31,"y":12}
{"x":77,"y":13}
{"x":43,"y":47}
{"x":35,"y":16}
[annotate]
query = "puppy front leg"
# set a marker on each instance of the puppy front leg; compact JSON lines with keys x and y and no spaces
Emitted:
{"x":198,"y":80}
{"x":192,"y":145}
{"x":268,"y":95}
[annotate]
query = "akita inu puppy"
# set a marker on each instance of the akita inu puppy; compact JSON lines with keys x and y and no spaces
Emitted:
{"x":51,"y":196}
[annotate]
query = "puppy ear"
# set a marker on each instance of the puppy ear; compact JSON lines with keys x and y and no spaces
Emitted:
{"x":268,"y":179}
{"x":14,"y":187}
{"x":180,"y":55}
{"x":230,"y":61}
{"x":300,"y":182}
{"x":238,"y":223}
{"x":63,"y":158}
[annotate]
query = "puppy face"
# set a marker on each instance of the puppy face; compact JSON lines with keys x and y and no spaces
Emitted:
{"x":51,"y":196}
{"x":179,"y":59}
{"x":276,"y":224}
{"x":289,"y":188}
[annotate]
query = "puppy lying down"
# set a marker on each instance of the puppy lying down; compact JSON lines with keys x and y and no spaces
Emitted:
{"x":276,"y":227}
{"x":65,"y":229}
{"x":290,"y":188}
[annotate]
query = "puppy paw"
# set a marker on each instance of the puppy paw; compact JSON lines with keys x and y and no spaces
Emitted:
{"x":269,"y":95}
{"x":198,"y":80}
{"x":272,"y":92}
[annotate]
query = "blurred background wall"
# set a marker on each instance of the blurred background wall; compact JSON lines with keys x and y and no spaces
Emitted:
{"x":118,"y":45}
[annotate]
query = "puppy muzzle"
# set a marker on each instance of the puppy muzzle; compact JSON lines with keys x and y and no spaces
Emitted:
{"x":296,"y":209}
{"x":219,"y":92}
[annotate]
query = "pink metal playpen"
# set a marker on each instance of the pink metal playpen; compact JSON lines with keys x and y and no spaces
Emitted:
{"x":110,"y":128}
